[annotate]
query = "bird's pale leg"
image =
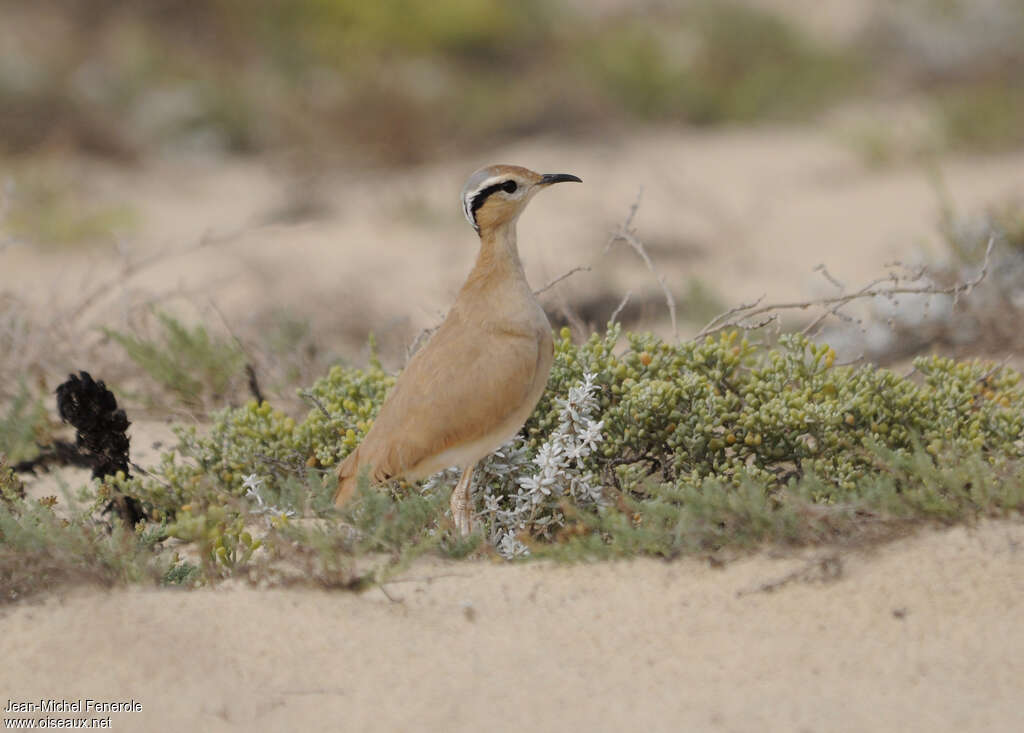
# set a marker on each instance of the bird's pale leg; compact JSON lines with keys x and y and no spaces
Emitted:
{"x":462,"y":503}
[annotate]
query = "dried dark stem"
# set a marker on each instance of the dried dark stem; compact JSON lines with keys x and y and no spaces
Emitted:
{"x":58,"y":453}
{"x":254,"y":385}
{"x":393,"y":599}
{"x":308,"y":395}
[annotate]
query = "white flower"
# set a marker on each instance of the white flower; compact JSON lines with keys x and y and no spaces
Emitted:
{"x":529,"y":484}
{"x":521,"y":493}
{"x":508,"y":547}
{"x":592,"y":435}
{"x":253,"y":485}
{"x":491,"y":504}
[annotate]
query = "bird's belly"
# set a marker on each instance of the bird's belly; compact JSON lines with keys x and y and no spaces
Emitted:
{"x":466,"y":455}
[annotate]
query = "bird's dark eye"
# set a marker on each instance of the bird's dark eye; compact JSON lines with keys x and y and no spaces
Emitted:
{"x":509,"y":187}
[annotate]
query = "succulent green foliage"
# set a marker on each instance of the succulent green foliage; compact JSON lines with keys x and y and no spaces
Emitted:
{"x":729,"y":409}
{"x":351,"y":398}
{"x":723,"y":407}
{"x":258,"y":439}
{"x":189,"y":362}
{"x":11,"y":487}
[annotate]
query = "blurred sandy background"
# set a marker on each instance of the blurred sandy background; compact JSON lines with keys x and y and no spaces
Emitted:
{"x":288,"y":173}
{"x":318,"y":148}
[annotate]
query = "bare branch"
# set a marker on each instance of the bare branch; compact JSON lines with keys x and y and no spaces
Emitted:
{"x":227,"y":325}
{"x":130,"y":268}
{"x":877,"y":288}
{"x":563,"y":276}
{"x":627,"y":223}
{"x":620,"y":306}
{"x":574,"y":320}
{"x":712,"y":325}
{"x":995,"y":368}
{"x":828,"y":276}
{"x":308,"y":395}
{"x":625,"y":233}
{"x":834,"y":310}
{"x":967,"y":287}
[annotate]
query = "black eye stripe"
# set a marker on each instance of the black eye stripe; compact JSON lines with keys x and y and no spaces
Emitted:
{"x":481,"y":196}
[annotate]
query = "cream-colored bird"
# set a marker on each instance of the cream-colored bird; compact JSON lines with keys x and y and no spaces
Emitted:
{"x":475,"y":382}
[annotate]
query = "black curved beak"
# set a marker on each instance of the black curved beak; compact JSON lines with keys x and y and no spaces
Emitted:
{"x":548,"y":178}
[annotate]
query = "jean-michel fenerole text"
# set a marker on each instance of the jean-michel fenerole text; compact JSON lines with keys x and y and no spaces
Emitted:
{"x":82,"y":705}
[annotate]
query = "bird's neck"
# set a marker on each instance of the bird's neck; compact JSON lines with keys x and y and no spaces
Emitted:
{"x":499,"y":256}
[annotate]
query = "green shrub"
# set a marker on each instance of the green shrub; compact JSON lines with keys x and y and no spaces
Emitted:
{"x":721,"y":418}
{"x":716,"y":63}
{"x":23,"y":427}
{"x":51,"y":208}
{"x":41,"y":548}
{"x":638,"y":446}
{"x":190,"y":363}
{"x":398,"y":81}
{"x":983,"y":117}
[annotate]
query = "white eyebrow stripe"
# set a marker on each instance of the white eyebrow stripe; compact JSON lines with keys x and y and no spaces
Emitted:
{"x":467,"y":201}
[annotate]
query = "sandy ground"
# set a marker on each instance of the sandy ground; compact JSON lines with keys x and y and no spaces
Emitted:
{"x":919,"y":635}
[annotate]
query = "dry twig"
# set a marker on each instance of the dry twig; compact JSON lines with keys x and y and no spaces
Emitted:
{"x":620,"y":306}
{"x":737,"y":317}
{"x":560,"y":278}
{"x":627,"y":233}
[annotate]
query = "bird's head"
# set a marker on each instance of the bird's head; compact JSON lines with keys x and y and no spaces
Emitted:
{"x":496,"y":195}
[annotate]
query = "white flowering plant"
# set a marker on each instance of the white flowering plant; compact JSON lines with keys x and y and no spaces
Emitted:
{"x":519,"y":494}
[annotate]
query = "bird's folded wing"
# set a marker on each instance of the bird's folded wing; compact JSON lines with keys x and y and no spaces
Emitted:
{"x":457,"y":389}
